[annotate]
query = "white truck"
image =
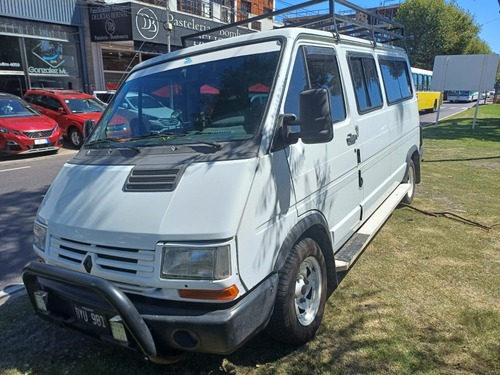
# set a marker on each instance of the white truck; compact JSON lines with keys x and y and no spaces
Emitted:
{"x":231,"y":214}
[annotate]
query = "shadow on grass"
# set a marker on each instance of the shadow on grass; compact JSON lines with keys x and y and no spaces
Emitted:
{"x":343,"y":344}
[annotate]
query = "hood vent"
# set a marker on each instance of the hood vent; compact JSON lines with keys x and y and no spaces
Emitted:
{"x":153,"y":179}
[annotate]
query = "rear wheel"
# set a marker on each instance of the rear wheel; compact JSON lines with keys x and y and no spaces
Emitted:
{"x":301,"y":295}
{"x":75,"y":137}
{"x":408,"y":198}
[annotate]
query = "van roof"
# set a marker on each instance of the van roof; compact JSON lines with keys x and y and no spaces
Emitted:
{"x":290,"y":33}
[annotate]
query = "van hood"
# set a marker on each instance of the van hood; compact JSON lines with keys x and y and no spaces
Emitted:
{"x":89,"y":203}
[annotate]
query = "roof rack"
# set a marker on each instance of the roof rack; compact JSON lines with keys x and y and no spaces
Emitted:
{"x":353,"y":21}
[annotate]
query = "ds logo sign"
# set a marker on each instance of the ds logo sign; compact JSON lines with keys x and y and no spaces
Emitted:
{"x":147,"y":23}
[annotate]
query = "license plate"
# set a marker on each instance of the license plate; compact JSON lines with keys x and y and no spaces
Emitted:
{"x":41,"y":141}
{"x":90,"y":316}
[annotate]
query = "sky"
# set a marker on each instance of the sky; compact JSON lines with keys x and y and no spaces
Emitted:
{"x":485,"y":12}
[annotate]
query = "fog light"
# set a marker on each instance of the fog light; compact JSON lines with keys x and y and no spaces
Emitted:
{"x":41,"y":298}
{"x":118,"y":329}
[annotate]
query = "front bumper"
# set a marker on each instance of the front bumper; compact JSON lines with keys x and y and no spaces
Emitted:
{"x":21,"y":146}
{"x":160,"y":330}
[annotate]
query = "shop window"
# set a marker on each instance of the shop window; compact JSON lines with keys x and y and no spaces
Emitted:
{"x":53,"y":64}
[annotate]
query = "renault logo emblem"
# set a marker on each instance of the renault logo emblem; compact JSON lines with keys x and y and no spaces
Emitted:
{"x":87,"y":263}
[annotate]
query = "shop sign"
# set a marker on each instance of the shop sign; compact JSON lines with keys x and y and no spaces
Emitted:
{"x":150,"y":25}
{"x":110,"y":23}
{"x":51,"y":57}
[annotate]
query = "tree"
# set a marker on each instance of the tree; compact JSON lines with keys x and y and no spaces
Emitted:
{"x":437,"y":27}
{"x":478,"y":47}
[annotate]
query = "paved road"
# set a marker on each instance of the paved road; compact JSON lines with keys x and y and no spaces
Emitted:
{"x":23,"y":182}
{"x":447,"y":110}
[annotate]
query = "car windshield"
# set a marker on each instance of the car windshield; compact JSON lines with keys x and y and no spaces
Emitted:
{"x":84,"y":105}
{"x":216,"y":97}
{"x":16,"y":108}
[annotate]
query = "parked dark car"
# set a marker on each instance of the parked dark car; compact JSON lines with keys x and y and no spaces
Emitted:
{"x":24,"y":130}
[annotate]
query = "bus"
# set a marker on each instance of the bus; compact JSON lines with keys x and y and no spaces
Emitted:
{"x":428,"y":101}
{"x":463,"y":96}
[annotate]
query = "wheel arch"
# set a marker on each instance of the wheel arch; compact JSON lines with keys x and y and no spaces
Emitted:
{"x":414,"y":155}
{"x":314,"y":226}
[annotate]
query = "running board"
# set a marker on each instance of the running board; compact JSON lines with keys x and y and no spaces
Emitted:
{"x":352,"y":249}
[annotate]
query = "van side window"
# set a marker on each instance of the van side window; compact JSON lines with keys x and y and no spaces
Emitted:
{"x":396,"y":79}
{"x":318,"y":69}
{"x":366,"y":83}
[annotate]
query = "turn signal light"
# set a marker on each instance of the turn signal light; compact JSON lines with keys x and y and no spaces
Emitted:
{"x":221,"y":295}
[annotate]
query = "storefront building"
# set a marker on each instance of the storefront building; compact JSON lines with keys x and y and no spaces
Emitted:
{"x":41,"y":45}
{"x":125,"y":34}
{"x":91,"y":45}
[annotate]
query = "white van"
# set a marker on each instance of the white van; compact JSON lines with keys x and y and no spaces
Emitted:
{"x":243,"y":216}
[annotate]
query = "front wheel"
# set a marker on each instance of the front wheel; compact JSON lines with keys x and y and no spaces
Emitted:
{"x":75,"y":137}
{"x":301,"y":295}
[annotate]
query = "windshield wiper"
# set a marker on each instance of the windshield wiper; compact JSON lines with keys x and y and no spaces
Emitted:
{"x":159,"y":135}
{"x":109,"y":141}
{"x":215,"y":145}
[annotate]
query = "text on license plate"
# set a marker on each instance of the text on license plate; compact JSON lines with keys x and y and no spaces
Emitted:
{"x":88,"y":315}
{"x":41,"y":141}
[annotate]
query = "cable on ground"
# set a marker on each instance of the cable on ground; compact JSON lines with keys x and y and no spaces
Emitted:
{"x":452,"y":216}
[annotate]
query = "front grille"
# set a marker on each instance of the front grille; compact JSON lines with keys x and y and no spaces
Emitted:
{"x":152,"y":179}
{"x":38,"y":134}
{"x":113,"y":261}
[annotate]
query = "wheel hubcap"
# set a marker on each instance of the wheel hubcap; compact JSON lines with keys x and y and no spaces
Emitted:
{"x":411,"y":181}
{"x":75,"y":138}
{"x":308,"y":291}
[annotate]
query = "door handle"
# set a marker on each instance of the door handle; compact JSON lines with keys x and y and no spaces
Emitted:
{"x":351,"y":139}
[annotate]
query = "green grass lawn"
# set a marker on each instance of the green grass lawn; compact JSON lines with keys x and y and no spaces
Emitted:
{"x":423,"y":299}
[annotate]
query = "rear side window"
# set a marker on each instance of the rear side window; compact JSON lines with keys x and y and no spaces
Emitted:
{"x":396,"y":79}
{"x":31,"y":98}
{"x":366,"y":83}
{"x":49,"y":103}
{"x":316,"y":67}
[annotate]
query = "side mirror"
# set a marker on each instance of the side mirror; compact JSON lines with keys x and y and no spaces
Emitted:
{"x":88,"y":126}
{"x":61,"y":111}
{"x":315,"y":118}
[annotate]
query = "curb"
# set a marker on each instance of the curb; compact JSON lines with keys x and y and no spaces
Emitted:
{"x":10,"y":290}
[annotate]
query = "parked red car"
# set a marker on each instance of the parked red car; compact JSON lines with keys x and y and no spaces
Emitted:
{"x":69,"y":108}
{"x":23,"y":130}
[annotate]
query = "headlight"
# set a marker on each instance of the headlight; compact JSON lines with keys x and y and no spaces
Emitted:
{"x":5,"y":130}
{"x":39,"y":236}
{"x":202,"y":263}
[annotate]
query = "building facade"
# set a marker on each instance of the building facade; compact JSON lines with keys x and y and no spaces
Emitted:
{"x":91,"y":45}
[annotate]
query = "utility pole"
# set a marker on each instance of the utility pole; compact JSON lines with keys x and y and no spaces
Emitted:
{"x":168,"y":26}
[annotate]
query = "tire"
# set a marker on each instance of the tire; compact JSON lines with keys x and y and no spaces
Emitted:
{"x":301,"y":295}
{"x":75,"y":137}
{"x":412,"y":177}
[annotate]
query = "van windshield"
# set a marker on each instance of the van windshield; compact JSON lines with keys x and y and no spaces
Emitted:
{"x":216,"y":97}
